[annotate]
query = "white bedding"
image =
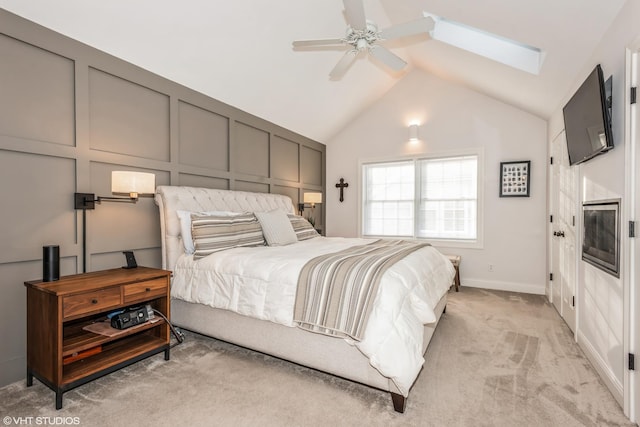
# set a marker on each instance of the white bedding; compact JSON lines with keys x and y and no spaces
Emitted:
{"x":261,"y":282}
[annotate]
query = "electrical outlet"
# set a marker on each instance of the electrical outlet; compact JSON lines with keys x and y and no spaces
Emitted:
{"x":491,"y":268}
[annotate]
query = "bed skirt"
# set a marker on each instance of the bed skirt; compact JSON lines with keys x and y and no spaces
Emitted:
{"x":324,"y":353}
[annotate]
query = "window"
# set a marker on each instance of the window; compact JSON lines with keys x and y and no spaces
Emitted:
{"x":433,"y":198}
{"x":389,"y":199}
{"x":448,"y":198}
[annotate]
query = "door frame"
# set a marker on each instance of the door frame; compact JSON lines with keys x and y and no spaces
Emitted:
{"x":551,"y":242}
{"x":631,"y":315}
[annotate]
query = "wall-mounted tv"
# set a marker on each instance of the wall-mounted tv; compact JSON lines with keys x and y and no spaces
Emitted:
{"x":587,"y":119}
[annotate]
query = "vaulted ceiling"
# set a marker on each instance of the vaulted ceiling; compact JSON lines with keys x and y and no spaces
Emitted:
{"x":240,"y":52}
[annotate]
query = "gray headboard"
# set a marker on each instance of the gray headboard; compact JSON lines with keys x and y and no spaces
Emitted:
{"x":173,"y":198}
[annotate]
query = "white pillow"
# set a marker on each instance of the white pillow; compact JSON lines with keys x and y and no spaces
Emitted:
{"x":276,"y":227}
{"x":185,"y":226}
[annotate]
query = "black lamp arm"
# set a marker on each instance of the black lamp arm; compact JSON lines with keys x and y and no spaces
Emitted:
{"x":89,"y":200}
{"x":301,"y":207}
{"x":117,"y":199}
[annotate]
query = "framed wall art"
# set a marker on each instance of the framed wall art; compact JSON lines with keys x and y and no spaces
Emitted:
{"x":515,"y":178}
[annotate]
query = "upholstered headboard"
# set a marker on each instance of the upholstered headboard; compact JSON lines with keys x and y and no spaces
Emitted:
{"x":172,"y":198}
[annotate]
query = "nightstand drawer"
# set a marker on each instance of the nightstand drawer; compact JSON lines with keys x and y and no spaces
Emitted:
{"x":91,"y":301}
{"x":145,"y":290}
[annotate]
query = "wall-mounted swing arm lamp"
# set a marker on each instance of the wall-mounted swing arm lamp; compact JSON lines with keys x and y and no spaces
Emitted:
{"x":122,"y":182}
{"x":309,"y":199}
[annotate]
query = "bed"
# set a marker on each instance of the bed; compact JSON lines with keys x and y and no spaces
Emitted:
{"x":253,"y":308}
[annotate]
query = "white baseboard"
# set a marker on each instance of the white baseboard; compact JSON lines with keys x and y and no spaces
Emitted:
{"x":600,"y":365}
{"x":525,"y":288}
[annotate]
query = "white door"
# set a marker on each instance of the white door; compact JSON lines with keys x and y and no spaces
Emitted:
{"x":564,"y":238}
{"x":567,"y":224}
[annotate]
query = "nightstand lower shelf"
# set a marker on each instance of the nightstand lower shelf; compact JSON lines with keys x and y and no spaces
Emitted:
{"x":115,"y":357}
{"x":112,"y":355}
{"x":83,"y":340}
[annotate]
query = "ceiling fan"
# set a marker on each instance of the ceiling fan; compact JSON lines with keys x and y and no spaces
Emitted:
{"x":363,"y":35}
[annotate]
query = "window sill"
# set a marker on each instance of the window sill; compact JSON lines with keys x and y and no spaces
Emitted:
{"x":452,"y":243}
{"x":438,"y":243}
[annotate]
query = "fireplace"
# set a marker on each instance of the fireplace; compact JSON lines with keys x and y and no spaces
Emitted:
{"x":601,"y":235}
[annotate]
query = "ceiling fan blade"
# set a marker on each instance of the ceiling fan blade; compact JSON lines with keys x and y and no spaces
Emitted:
{"x":306,"y":43}
{"x":343,"y":65}
{"x":354,"y":10}
{"x":386,"y":56}
{"x":419,"y":26}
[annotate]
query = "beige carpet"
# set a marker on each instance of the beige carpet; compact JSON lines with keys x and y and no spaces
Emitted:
{"x":497,"y":359}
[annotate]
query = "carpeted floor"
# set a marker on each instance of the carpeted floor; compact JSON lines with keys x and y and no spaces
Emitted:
{"x":496,"y":359}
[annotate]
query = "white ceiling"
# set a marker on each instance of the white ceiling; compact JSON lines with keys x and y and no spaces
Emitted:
{"x":239,"y":51}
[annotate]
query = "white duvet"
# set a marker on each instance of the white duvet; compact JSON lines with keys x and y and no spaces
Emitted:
{"x":261,"y":282}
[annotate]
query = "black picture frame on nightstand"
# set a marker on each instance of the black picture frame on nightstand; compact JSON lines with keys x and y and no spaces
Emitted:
{"x":515,"y":178}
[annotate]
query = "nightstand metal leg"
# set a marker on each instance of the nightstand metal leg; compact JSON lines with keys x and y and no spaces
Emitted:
{"x":29,"y":378}
{"x":167,"y":355}
{"x":58,"y":400}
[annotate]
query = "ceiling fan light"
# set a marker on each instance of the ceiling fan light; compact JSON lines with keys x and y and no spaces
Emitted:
{"x":364,"y":35}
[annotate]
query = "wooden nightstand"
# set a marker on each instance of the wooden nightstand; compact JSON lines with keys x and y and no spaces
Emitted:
{"x":63,"y":355}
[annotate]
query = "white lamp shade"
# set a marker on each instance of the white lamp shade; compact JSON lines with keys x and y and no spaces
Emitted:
{"x":313,"y":198}
{"x":133,"y":182}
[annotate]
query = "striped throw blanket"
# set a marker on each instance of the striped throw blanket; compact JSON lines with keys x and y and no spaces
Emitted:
{"x":336,"y":291}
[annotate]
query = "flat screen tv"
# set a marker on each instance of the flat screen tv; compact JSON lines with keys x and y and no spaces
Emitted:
{"x":587,"y":119}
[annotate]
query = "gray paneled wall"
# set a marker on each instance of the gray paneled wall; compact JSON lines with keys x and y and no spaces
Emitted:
{"x":69,"y":115}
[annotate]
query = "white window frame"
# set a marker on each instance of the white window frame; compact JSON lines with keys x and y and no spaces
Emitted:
{"x":478,"y":242}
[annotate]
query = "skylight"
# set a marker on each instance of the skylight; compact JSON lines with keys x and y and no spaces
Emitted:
{"x":509,"y":52}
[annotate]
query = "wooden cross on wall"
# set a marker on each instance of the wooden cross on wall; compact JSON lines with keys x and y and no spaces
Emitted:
{"x":342,"y":185}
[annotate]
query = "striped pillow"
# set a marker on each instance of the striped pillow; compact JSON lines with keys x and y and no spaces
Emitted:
{"x":185,"y":226}
{"x":304,"y":230}
{"x":214,"y":233}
